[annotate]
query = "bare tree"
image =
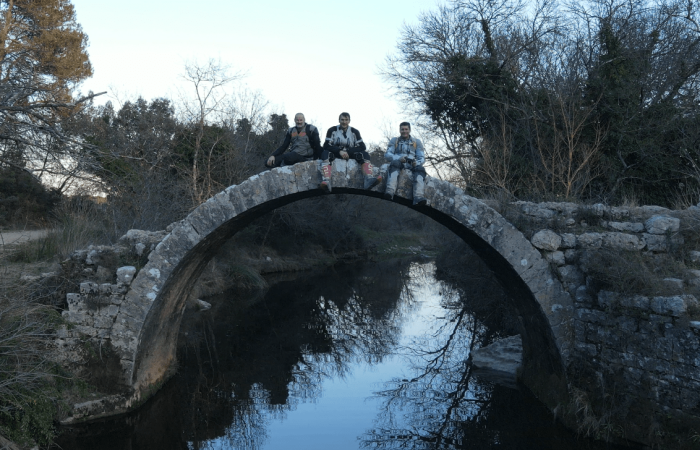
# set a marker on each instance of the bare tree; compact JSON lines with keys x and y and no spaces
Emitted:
{"x":207,"y":106}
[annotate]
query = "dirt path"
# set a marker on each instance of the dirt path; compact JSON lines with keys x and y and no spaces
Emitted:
{"x":8,"y":238}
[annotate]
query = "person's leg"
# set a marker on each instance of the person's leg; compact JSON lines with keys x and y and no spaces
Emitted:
{"x":291,"y":158}
{"x":392,"y":179}
{"x":362,"y":157}
{"x":327,"y":157}
{"x":419,"y":186}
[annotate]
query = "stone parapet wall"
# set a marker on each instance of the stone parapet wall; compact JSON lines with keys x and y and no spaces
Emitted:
{"x":639,"y":355}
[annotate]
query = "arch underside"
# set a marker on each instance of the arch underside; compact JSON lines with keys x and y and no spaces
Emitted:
{"x":145,"y":333}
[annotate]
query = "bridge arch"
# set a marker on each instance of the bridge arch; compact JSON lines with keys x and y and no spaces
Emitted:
{"x":145,"y":330}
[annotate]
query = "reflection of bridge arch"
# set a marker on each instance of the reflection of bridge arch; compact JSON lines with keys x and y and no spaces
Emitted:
{"x":146,"y":328}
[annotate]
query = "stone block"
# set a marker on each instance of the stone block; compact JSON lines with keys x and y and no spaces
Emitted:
{"x":591,"y":316}
{"x":635,"y":301}
{"x":618,"y":213}
{"x":116,"y":299}
{"x":662,"y":225}
{"x":608,"y":299}
{"x":110,"y":311}
{"x":586,"y":350}
{"x":590,"y":240}
{"x":103,"y":274}
{"x":105,"y":289}
{"x":556,"y":258}
{"x":78,"y":318}
{"x":571,"y":256}
{"x":669,"y":306}
{"x":656,"y":325}
{"x":546,"y":240}
{"x":75,"y":302}
{"x":103,"y":321}
{"x":628,"y":227}
{"x":673,"y":283}
{"x":694,"y":256}
{"x":568,"y":240}
{"x":86,"y":330}
{"x":89,"y":288}
{"x":627,"y":324}
{"x":655,"y":243}
{"x":664,"y":348}
{"x":571,"y":275}
{"x":582,"y":295}
{"x":622,"y":241}
{"x":120,"y":288}
{"x":125,"y":275}
{"x":693,"y":277}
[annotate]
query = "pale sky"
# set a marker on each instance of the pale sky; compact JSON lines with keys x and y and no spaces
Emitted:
{"x":316,"y":57}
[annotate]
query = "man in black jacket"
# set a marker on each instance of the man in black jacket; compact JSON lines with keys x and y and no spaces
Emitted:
{"x":344,"y":141}
{"x":303,"y":142}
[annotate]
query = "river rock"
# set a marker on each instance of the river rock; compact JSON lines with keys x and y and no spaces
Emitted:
{"x":202,"y":305}
{"x":546,"y":240}
{"x":499,"y":361}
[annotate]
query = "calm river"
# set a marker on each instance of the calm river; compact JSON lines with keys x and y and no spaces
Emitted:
{"x":365,"y":356}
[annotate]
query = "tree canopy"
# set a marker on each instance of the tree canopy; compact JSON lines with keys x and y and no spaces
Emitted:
{"x":43,"y":57}
{"x":588,"y":100}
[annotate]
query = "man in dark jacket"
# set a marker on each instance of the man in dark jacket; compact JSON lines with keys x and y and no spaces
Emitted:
{"x":302,"y":141}
{"x":345,"y":142}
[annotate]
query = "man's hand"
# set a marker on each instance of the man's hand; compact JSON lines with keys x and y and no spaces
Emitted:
{"x":403,"y":159}
{"x":271,"y":161}
{"x":344,"y":155}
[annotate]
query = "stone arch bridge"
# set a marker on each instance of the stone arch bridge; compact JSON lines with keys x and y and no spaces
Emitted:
{"x":146,"y":321}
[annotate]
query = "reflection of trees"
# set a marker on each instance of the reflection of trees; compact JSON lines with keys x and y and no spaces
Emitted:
{"x":428,"y":410}
{"x":441,"y":405}
{"x":250,"y":362}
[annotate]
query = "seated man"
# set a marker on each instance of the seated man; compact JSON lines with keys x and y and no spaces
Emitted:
{"x":303,"y":142}
{"x":344,"y":141}
{"x":406,"y":152}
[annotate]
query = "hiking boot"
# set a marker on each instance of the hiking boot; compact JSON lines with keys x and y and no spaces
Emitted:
{"x":326,"y":171}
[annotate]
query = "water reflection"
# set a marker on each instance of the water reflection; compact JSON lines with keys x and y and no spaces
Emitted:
{"x":370,"y":356}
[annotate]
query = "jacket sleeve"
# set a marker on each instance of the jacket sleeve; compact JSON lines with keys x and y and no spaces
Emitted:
{"x":360,"y":143}
{"x":285,"y":144}
{"x":420,"y":152}
{"x":390,"y":155}
{"x":315,"y":141}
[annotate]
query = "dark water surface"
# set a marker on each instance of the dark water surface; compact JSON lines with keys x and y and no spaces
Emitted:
{"x":366,"y":356}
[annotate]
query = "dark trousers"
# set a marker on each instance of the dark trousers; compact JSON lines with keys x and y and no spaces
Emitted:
{"x":288,"y":159}
{"x":355,"y":153}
